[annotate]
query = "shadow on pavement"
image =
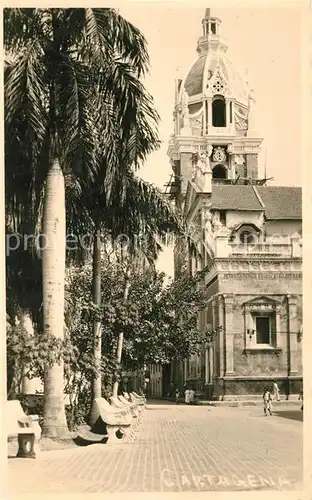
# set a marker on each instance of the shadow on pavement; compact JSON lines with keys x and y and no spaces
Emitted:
{"x":290,"y":414}
{"x":86,"y":437}
{"x":82,"y":441}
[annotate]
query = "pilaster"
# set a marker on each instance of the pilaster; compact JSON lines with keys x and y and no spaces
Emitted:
{"x":204,"y":116}
{"x":227,"y":112}
{"x":185,"y":370}
{"x":229,"y":337}
{"x":292,"y":333}
{"x":215,"y":341}
{"x":206,"y":365}
{"x":209,"y":114}
{"x":221,"y":335}
{"x":278,"y":326}
{"x":211,"y":367}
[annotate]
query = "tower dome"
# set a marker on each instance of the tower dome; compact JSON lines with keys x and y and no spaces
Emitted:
{"x":215,"y":136}
{"x":213,"y":76}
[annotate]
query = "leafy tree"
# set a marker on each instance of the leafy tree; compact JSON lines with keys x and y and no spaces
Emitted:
{"x":161,"y":321}
{"x":70,"y":88}
{"x":158,"y":321}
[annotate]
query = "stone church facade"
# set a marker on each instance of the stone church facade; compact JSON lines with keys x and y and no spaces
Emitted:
{"x":247,"y":234}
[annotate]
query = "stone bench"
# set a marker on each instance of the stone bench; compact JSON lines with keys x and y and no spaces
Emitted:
{"x":137,"y":399}
{"x":118,"y":422}
{"x":23,"y":427}
{"x":140,"y":400}
{"x":128,"y":402}
{"x":131,"y":408}
{"x":136,"y":407}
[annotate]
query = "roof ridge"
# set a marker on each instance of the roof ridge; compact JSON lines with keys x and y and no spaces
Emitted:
{"x":258,"y":196}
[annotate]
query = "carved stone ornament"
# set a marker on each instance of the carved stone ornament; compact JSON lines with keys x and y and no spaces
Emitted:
{"x":239,"y":160}
{"x":185,"y":109}
{"x":202,"y":162}
{"x":209,"y":150}
{"x":207,"y":221}
{"x":218,"y":87}
{"x":196,"y":122}
{"x":219,"y":155}
{"x":240,"y":116}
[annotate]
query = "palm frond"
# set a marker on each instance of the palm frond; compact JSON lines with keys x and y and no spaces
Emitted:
{"x":129,"y":41}
{"x":20,"y":28}
{"x":108,"y":34}
{"x":77,"y":129}
{"x":25,"y":93}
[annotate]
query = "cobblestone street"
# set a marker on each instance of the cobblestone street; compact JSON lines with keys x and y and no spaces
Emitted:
{"x":177,"y":448}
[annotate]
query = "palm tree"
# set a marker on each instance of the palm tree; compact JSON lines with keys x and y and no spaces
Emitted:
{"x":148,"y":220}
{"x":71,"y":73}
{"x":134,"y":206}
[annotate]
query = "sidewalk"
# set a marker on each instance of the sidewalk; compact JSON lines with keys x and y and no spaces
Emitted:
{"x":178,"y":448}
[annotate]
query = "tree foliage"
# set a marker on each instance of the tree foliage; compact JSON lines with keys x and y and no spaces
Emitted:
{"x":159,"y":320}
{"x":28,"y":354}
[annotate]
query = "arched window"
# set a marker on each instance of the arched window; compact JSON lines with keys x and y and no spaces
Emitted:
{"x":219,"y":172}
{"x":247,"y":234}
{"x":218,"y":112}
{"x":247,"y":237}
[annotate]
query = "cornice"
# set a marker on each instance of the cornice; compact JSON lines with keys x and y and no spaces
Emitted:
{"x":192,"y":144}
{"x":258,"y":265}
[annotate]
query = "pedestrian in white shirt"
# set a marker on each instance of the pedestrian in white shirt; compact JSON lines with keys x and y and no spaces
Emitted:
{"x":192,"y":396}
{"x":187,"y":396}
{"x":276,"y":391}
{"x":267,"y":402}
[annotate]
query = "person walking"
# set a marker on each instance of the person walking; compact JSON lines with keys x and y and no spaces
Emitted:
{"x":177,"y":395}
{"x":267,"y":402}
{"x":187,"y":396}
{"x":276,"y":391}
{"x":301,"y":398}
{"x":192,"y":396}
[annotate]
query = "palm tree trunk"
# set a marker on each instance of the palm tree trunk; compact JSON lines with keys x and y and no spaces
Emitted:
{"x":121,"y":334}
{"x":53,"y":277}
{"x":97,"y":330}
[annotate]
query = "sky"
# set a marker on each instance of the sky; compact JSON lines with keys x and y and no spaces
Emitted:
{"x":263,"y":39}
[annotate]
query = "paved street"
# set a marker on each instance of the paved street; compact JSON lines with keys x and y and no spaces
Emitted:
{"x":178,"y":448}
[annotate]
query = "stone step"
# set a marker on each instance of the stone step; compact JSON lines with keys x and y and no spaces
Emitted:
{"x":249,"y":402}
{"x":257,"y":397}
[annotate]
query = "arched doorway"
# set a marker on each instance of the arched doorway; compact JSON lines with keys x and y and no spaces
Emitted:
{"x":219,"y":172}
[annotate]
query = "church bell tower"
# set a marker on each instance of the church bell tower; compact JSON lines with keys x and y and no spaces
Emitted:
{"x":214,"y":117}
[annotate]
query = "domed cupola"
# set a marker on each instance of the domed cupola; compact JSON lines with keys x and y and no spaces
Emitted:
{"x":217,"y":95}
{"x":215,"y":111}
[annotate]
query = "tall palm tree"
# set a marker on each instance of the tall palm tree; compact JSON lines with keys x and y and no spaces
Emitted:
{"x":71,"y":84}
{"x":146,"y":219}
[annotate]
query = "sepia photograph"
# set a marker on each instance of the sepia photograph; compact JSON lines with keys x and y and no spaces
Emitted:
{"x":153,"y":248}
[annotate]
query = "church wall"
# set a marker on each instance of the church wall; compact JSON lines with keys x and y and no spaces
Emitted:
{"x":252,"y":166}
{"x":258,"y":363}
{"x":261,"y":283}
{"x":283,"y":227}
{"x":235,"y":218}
{"x":186,"y":170}
{"x":252,"y":366}
{"x":299,"y":323}
{"x":240,"y":170}
{"x":256,"y":368}
{"x":212,"y":289}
